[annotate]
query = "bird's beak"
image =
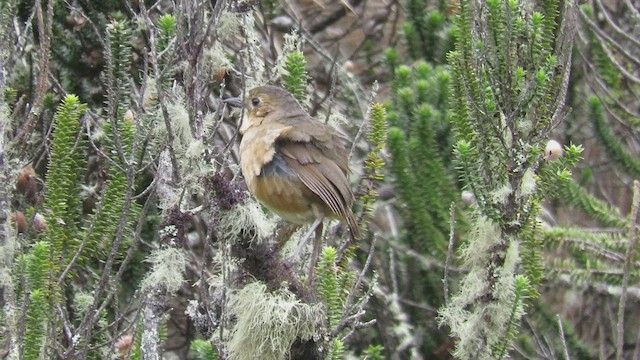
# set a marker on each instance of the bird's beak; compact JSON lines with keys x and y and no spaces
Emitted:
{"x":234,"y":101}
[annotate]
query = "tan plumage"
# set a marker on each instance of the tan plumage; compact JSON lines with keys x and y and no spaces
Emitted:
{"x":295,"y":165}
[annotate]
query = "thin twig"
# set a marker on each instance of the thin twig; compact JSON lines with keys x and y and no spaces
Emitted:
{"x":631,"y":254}
{"x":44,"y":35}
{"x":348,"y":307}
{"x":452,"y":241}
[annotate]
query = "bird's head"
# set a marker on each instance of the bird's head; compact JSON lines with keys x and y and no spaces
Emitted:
{"x":264,"y":100}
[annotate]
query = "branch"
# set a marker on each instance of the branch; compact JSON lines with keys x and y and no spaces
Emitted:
{"x":44,"y":35}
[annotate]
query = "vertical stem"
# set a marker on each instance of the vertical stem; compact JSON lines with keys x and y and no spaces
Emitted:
{"x":631,"y":254}
{"x":42,"y":85}
{"x":452,"y":241}
{"x":152,"y":318}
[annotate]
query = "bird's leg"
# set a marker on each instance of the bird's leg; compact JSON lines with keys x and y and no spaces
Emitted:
{"x":298,"y":251}
{"x":315,"y":254}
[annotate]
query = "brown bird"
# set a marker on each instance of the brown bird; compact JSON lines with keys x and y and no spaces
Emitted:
{"x":293,"y":164}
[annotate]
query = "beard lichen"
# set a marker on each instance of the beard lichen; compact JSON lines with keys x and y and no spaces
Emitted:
{"x":268,"y":323}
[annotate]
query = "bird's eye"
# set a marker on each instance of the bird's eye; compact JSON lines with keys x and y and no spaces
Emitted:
{"x":255,"y":101}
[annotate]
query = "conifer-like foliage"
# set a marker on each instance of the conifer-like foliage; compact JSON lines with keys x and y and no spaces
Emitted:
{"x":45,"y":259}
{"x":418,"y":143}
{"x":295,"y":79}
{"x":610,"y":69}
{"x":508,"y":84}
{"x":294,"y":76}
{"x":72,"y":251}
{"x":66,"y":166}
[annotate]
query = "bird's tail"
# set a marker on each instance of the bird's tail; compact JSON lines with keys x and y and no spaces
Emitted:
{"x":354,"y":227}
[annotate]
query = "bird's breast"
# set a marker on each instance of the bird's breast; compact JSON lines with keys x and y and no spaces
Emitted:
{"x":257,"y":149}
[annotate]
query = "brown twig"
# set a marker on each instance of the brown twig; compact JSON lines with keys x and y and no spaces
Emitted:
{"x":44,"y":35}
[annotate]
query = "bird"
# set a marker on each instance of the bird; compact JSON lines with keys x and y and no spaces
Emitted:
{"x":295,"y":165}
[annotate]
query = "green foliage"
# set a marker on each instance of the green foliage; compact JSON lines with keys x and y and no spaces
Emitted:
{"x":505,"y":80}
{"x":202,"y":350}
{"x":69,"y":235}
{"x":336,"y":351}
{"x":295,"y":76}
{"x":36,"y":325}
{"x":334,"y":286}
{"x":10,"y":97}
{"x":118,"y":75}
{"x":503,"y":121}
{"x":532,"y":259}
{"x":374,"y":164}
{"x":605,"y":68}
{"x":44,"y":260}
{"x":106,"y":219}
{"x":421,"y":230}
{"x":331,"y":282}
{"x":377,"y":135}
{"x":120,"y":132}
{"x":521,"y":294}
{"x":166,"y":31}
{"x":575,"y":195}
{"x":587,"y":256}
{"x":418,"y":145}
{"x":425,"y":31}
{"x":66,"y":165}
{"x":374,"y":352}
{"x":628,"y":161}
{"x":38,"y":267}
{"x":38,"y":298}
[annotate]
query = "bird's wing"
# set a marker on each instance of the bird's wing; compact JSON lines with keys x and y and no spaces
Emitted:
{"x":323,"y":138}
{"x":320,"y":174}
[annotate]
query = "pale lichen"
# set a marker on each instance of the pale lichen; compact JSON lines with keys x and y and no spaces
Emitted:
{"x":81,"y":302}
{"x":180,"y":125}
{"x":528,"y":184}
{"x":481,"y":326}
{"x":150,"y":96}
{"x":268,"y":323}
{"x":501,"y":194}
{"x":228,"y":24}
{"x":167,"y":195}
{"x":254,"y":68}
{"x":244,"y":217}
{"x":167,"y":270}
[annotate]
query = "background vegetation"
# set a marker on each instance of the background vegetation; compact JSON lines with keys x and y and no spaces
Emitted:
{"x":495,"y":156}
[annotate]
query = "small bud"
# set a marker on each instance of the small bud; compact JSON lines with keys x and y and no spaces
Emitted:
{"x":128,"y":116}
{"x":27,"y":184}
{"x":219,"y":74}
{"x":25,"y":178}
{"x":468,"y":198}
{"x":124,"y":345}
{"x":282,"y":23}
{"x":19,"y":221}
{"x":40,"y":223}
{"x":553,"y":151}
{"x":352,"y":67}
